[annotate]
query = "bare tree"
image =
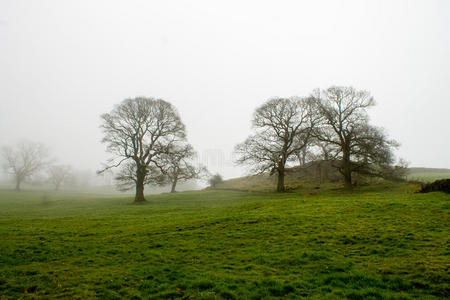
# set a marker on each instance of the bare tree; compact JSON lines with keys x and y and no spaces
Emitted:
{"x":323,"y":157}
{"x":283,"y":128}
{"x":58,"y":174}
{"x":324,"y":150}
{"x":353,"y":144}
{"x":126,"y":177}
{"x":24,"y":160}
{"x":306,"y":154}
{"x":215,"y":179}
{"x":138,"y":132}
{"x":177,"y":165}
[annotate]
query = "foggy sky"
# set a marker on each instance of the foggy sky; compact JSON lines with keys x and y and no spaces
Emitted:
{"x":64,"y":63}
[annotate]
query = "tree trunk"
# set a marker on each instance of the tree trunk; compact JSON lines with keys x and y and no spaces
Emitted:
{"x":325,"y":170}
{"x":280,"y":185}
{"x":18,"y":184}
{"x":319,"y":172}
{"x":348,"y":180}
{"x":174,"y":185}
{"x":346,"y":170}
{"x":139,"y":198}
{"x":303,"y":156}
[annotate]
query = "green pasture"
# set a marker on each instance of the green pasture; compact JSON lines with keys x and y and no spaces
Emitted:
{"x":427,"y":174}
{"x":378,"y":242}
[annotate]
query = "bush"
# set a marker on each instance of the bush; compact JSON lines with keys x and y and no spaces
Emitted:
{"x":215,"y":180}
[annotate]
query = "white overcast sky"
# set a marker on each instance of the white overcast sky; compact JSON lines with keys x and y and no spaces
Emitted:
{"x":63,"y":63}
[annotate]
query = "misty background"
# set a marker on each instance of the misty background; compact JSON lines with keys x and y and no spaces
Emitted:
{"x":64,"y":63}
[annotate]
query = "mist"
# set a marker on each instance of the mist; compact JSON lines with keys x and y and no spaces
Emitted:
{"x":64,"y":63}
{"x":224,"y":149}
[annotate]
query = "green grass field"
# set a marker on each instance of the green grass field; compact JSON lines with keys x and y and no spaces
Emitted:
{"x":428,"y":174}
{"x":428,"y":177}
{"x":379,"y":242}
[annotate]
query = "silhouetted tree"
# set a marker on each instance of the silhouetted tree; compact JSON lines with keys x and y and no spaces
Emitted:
{"x":214,"y":180}
{"x":138,"y":132}
{"x":24,"y":160}
{"x":283,"y":128}
{"x":58,"y":174}
{"x":353,"y":144}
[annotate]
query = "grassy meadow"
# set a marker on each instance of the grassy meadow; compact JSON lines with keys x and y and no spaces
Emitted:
{"x":427,"y":174}
{"x":379,"y":242}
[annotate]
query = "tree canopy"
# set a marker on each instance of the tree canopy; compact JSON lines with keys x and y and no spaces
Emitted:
{"x":24,"y":160}
{"x":138,"y":132}
{"x":282,"y":128}
{"x":354,"y":144}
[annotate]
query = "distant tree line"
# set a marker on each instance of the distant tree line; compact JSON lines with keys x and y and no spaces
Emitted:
{"x":24,"y":160}
{"x":30,"y":161}
{"x":332,"y":124}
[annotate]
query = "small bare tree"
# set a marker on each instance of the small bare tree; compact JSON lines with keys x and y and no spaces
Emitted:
{"x":283,"y":128}
{"x":215,"y":179}
{"x":353,"y":144}
{"x":58,"y":174}
{"x":306,"y":155}
{"x":138,"y":132}
{"x":24,"y":160}
{"x":177,"y":165}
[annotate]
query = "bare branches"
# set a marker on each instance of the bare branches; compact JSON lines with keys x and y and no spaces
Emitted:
{"x":178,"y":166}
{"x":138,"y":132}
{"x":58,"y":174}
{"x":333,"y":122}
{"x":24,"y":160}
{"x":283,"y":126}
{"x":345,"y":129}
{"x":110,"y":166}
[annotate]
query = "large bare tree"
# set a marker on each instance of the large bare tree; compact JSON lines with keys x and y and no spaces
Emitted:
{"x":138,"y":132}
{"x":24,"y":160}
{"x":354,"y":145}
{"x":283,"y":128}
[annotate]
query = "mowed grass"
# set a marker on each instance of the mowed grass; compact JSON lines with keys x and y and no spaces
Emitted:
{"x":380,"y":242}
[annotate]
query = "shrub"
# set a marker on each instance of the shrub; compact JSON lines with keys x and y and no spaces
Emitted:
{"x":442,"y":185}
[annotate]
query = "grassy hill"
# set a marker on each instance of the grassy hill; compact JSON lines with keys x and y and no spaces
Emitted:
{"x":379,"y":242}
{"x":428,"y":174}
{"x":309,"y":176}
{"x":319,"y":174}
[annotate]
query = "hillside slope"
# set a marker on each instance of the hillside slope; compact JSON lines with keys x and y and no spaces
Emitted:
{"x":311,"y":175}
{"x":428,"y":174}
{"x":316,"y":174}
